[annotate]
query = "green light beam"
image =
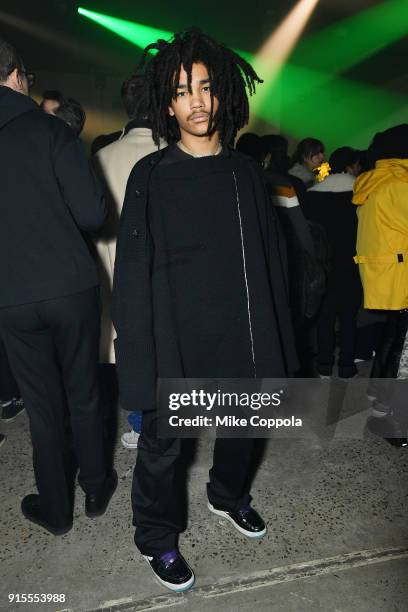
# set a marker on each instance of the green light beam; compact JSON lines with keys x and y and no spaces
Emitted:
{"x":352,"y":40}
{"x":136,"y":33}
{"x":306,"y":102}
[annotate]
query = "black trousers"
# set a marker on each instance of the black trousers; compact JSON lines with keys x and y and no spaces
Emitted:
{"x":386,"y":365}
{"x":388,"y":354}
{"x":343,"y":306}
{"x":368,"y":340}
{"x":8,"y":385}
{"x":53,"y":350}
{"x":159,"y":513}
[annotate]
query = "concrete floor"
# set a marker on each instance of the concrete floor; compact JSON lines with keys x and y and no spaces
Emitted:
{"x":337,"y":539}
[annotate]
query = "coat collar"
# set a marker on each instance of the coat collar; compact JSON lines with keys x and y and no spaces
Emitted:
{"x":137,"y":123}
{"x":335,"y":183}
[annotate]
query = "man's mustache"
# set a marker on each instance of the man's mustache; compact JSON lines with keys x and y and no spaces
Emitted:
{"x":198,"y":113}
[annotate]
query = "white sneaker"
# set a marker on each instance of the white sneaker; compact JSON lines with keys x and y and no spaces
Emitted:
{"x":130,"y":439}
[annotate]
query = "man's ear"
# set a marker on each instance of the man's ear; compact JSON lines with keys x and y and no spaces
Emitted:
{"x":171,"y":112}
{"x":14,"y":79}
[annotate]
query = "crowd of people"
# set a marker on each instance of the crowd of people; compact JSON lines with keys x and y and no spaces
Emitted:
{"x":179,"y":255}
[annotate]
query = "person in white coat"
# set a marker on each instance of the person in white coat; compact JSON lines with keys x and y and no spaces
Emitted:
{"x":113,"y":165}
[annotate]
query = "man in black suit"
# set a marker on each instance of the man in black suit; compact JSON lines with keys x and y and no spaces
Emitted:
{"x":49,"y":310}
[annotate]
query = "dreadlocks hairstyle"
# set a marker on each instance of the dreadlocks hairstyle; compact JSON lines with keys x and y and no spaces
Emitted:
{"x":229,"y":74}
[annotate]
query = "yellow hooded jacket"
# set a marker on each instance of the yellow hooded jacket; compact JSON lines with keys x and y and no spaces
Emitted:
{"x":382,"y":238}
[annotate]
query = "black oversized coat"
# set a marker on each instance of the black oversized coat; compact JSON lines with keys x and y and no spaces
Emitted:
{"x":199,"y":284}
{"x":48,"y":197}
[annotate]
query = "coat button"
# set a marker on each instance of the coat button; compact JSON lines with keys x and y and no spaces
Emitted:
{"x":138,"y":193}
{"x":135,"y":233}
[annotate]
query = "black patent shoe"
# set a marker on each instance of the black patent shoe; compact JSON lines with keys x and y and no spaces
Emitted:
{"x":31,"y":508}
{"x":246,"y":520}
{"x":97,"y":503}
{"x":172,"y":571}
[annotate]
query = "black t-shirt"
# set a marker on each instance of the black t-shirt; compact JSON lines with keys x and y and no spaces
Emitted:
{"x":174,"y":154}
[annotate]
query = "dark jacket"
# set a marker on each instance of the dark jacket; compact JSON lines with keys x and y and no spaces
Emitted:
{"x":306,"y":269}
{"x":186,"y":303}
{"x":329,"y":204}
{"x":48,"y":197}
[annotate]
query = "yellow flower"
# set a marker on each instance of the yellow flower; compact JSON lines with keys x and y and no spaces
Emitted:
{"x":322,"y":171}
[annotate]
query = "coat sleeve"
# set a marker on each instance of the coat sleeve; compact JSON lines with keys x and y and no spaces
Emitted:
{"x":79,"y":187}
{"x":132,"y":310}
{"x":300,"y":228}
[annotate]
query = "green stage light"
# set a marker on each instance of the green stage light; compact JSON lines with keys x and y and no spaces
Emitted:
{"x":352,"y":40}
{"x":136,"y":33}
{"x":308,"y":83}
{"x":306,"y":102}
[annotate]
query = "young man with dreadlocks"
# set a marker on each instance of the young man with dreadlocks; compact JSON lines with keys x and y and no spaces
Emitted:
{"x":199,"y":288}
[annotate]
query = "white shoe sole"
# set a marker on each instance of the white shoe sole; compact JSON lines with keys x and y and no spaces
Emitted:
{"x":249,"y":534}
{"x":177,"y":588}
{"x":2,"y":440}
